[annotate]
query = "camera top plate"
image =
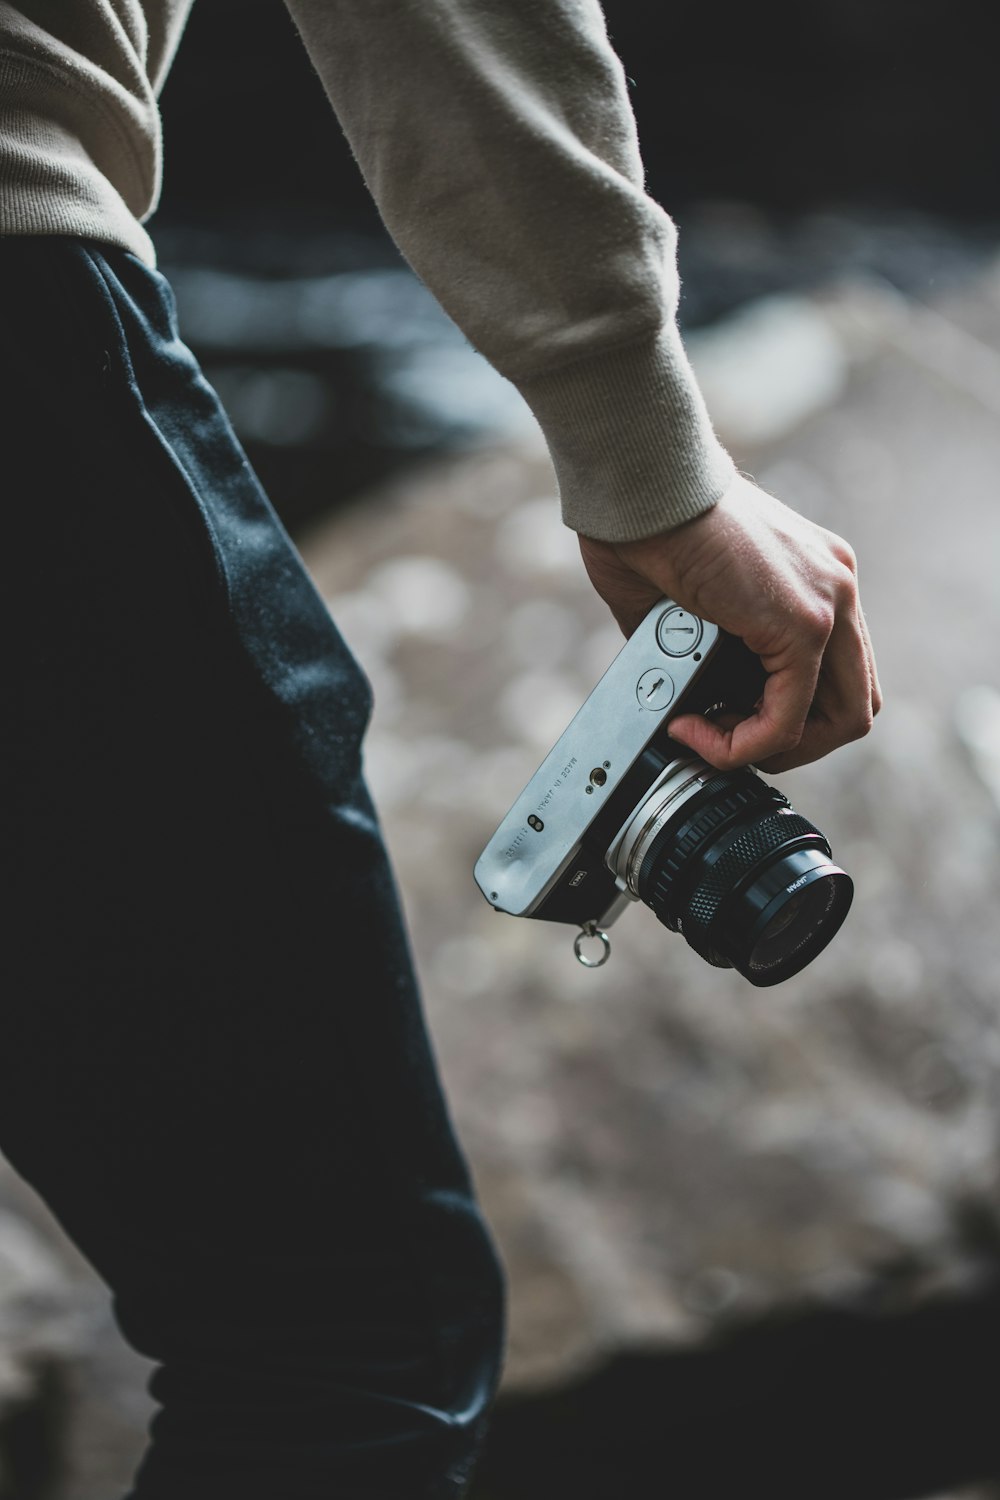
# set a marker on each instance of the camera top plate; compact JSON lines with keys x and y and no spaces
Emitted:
{"x":642,"y":689}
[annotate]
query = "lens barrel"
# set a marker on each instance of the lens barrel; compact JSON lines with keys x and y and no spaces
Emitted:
{"x":748,"y":881}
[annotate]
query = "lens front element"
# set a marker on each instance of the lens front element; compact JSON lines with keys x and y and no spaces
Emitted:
{"x":797,"y":923}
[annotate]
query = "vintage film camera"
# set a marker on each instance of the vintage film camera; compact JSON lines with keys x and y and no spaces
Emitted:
{"x":619,"y":812}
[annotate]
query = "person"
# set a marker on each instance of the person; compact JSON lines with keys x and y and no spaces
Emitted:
{"x":214,"y":1066}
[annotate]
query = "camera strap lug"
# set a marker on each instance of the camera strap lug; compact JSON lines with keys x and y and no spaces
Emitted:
{"x":587,"y":931}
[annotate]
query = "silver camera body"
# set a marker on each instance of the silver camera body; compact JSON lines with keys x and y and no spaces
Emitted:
{"x":618,"y":812}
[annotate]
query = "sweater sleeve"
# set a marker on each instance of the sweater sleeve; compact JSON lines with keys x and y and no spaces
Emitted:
{"x":497,"y":139}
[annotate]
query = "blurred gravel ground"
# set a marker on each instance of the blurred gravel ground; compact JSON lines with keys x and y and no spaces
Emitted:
{"x":661,"y":1147}
{"x":663,"y":1150}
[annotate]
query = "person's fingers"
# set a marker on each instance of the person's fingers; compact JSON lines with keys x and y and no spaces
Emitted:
{"x":876,"y":687}
{"x":761,"y":573}
{"x":806,"y":710}
{"x":842,"y":709}
{"x":774,"y":729}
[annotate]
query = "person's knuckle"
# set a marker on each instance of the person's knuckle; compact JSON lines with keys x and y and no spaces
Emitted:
{"x":859,"y":724}
{"x":848,"y":582}
{"x":817,"y":621}
{"x":840,"y":589}
{"x":844,"y":554}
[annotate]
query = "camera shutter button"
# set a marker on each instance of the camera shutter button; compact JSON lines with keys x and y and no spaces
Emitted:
{"x":654,"y":690}
{"x":678,"y":632}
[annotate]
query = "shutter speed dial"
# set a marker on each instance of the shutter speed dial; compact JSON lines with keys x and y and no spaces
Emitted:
{"x":678,"y":632}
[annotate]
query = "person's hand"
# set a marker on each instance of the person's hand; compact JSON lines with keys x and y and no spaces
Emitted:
{"x":789,"y":589}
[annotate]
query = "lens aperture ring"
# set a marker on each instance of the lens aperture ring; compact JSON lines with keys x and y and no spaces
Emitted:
{"x":751,"y":845}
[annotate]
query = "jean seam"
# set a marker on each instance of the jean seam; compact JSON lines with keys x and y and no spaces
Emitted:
{"x":165,"y":447}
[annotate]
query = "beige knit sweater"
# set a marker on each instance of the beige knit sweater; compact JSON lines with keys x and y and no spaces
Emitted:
{"x":497,"y":139}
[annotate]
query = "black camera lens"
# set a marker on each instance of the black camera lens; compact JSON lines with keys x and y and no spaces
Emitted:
{"x":747,"y":880}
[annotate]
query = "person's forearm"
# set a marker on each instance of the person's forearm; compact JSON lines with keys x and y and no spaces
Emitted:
{"x":497,"y":139}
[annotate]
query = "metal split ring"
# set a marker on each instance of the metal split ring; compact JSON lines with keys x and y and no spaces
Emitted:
{"x":591,"y":930}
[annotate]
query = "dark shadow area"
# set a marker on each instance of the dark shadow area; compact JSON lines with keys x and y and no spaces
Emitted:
{"x":787,"y":106}
{"x":827,"y":1404}
{"x":793,"y":106}
{"x":33,"y":1439}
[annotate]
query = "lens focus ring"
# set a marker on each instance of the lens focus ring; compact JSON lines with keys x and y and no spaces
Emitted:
{"x":720,"y":800}
{"x":760,"y":839}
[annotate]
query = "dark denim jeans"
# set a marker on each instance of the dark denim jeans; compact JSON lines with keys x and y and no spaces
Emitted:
{"x":213,"y":1063}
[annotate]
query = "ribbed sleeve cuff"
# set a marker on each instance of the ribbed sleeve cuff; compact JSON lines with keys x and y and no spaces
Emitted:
{"x":49,"y":182}
{"x":631,"y":440}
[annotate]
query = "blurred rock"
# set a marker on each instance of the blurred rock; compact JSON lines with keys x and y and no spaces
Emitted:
{"x":768,"y":367}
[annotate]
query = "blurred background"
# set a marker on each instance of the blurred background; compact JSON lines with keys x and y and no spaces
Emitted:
{"x":753,"y":1237}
